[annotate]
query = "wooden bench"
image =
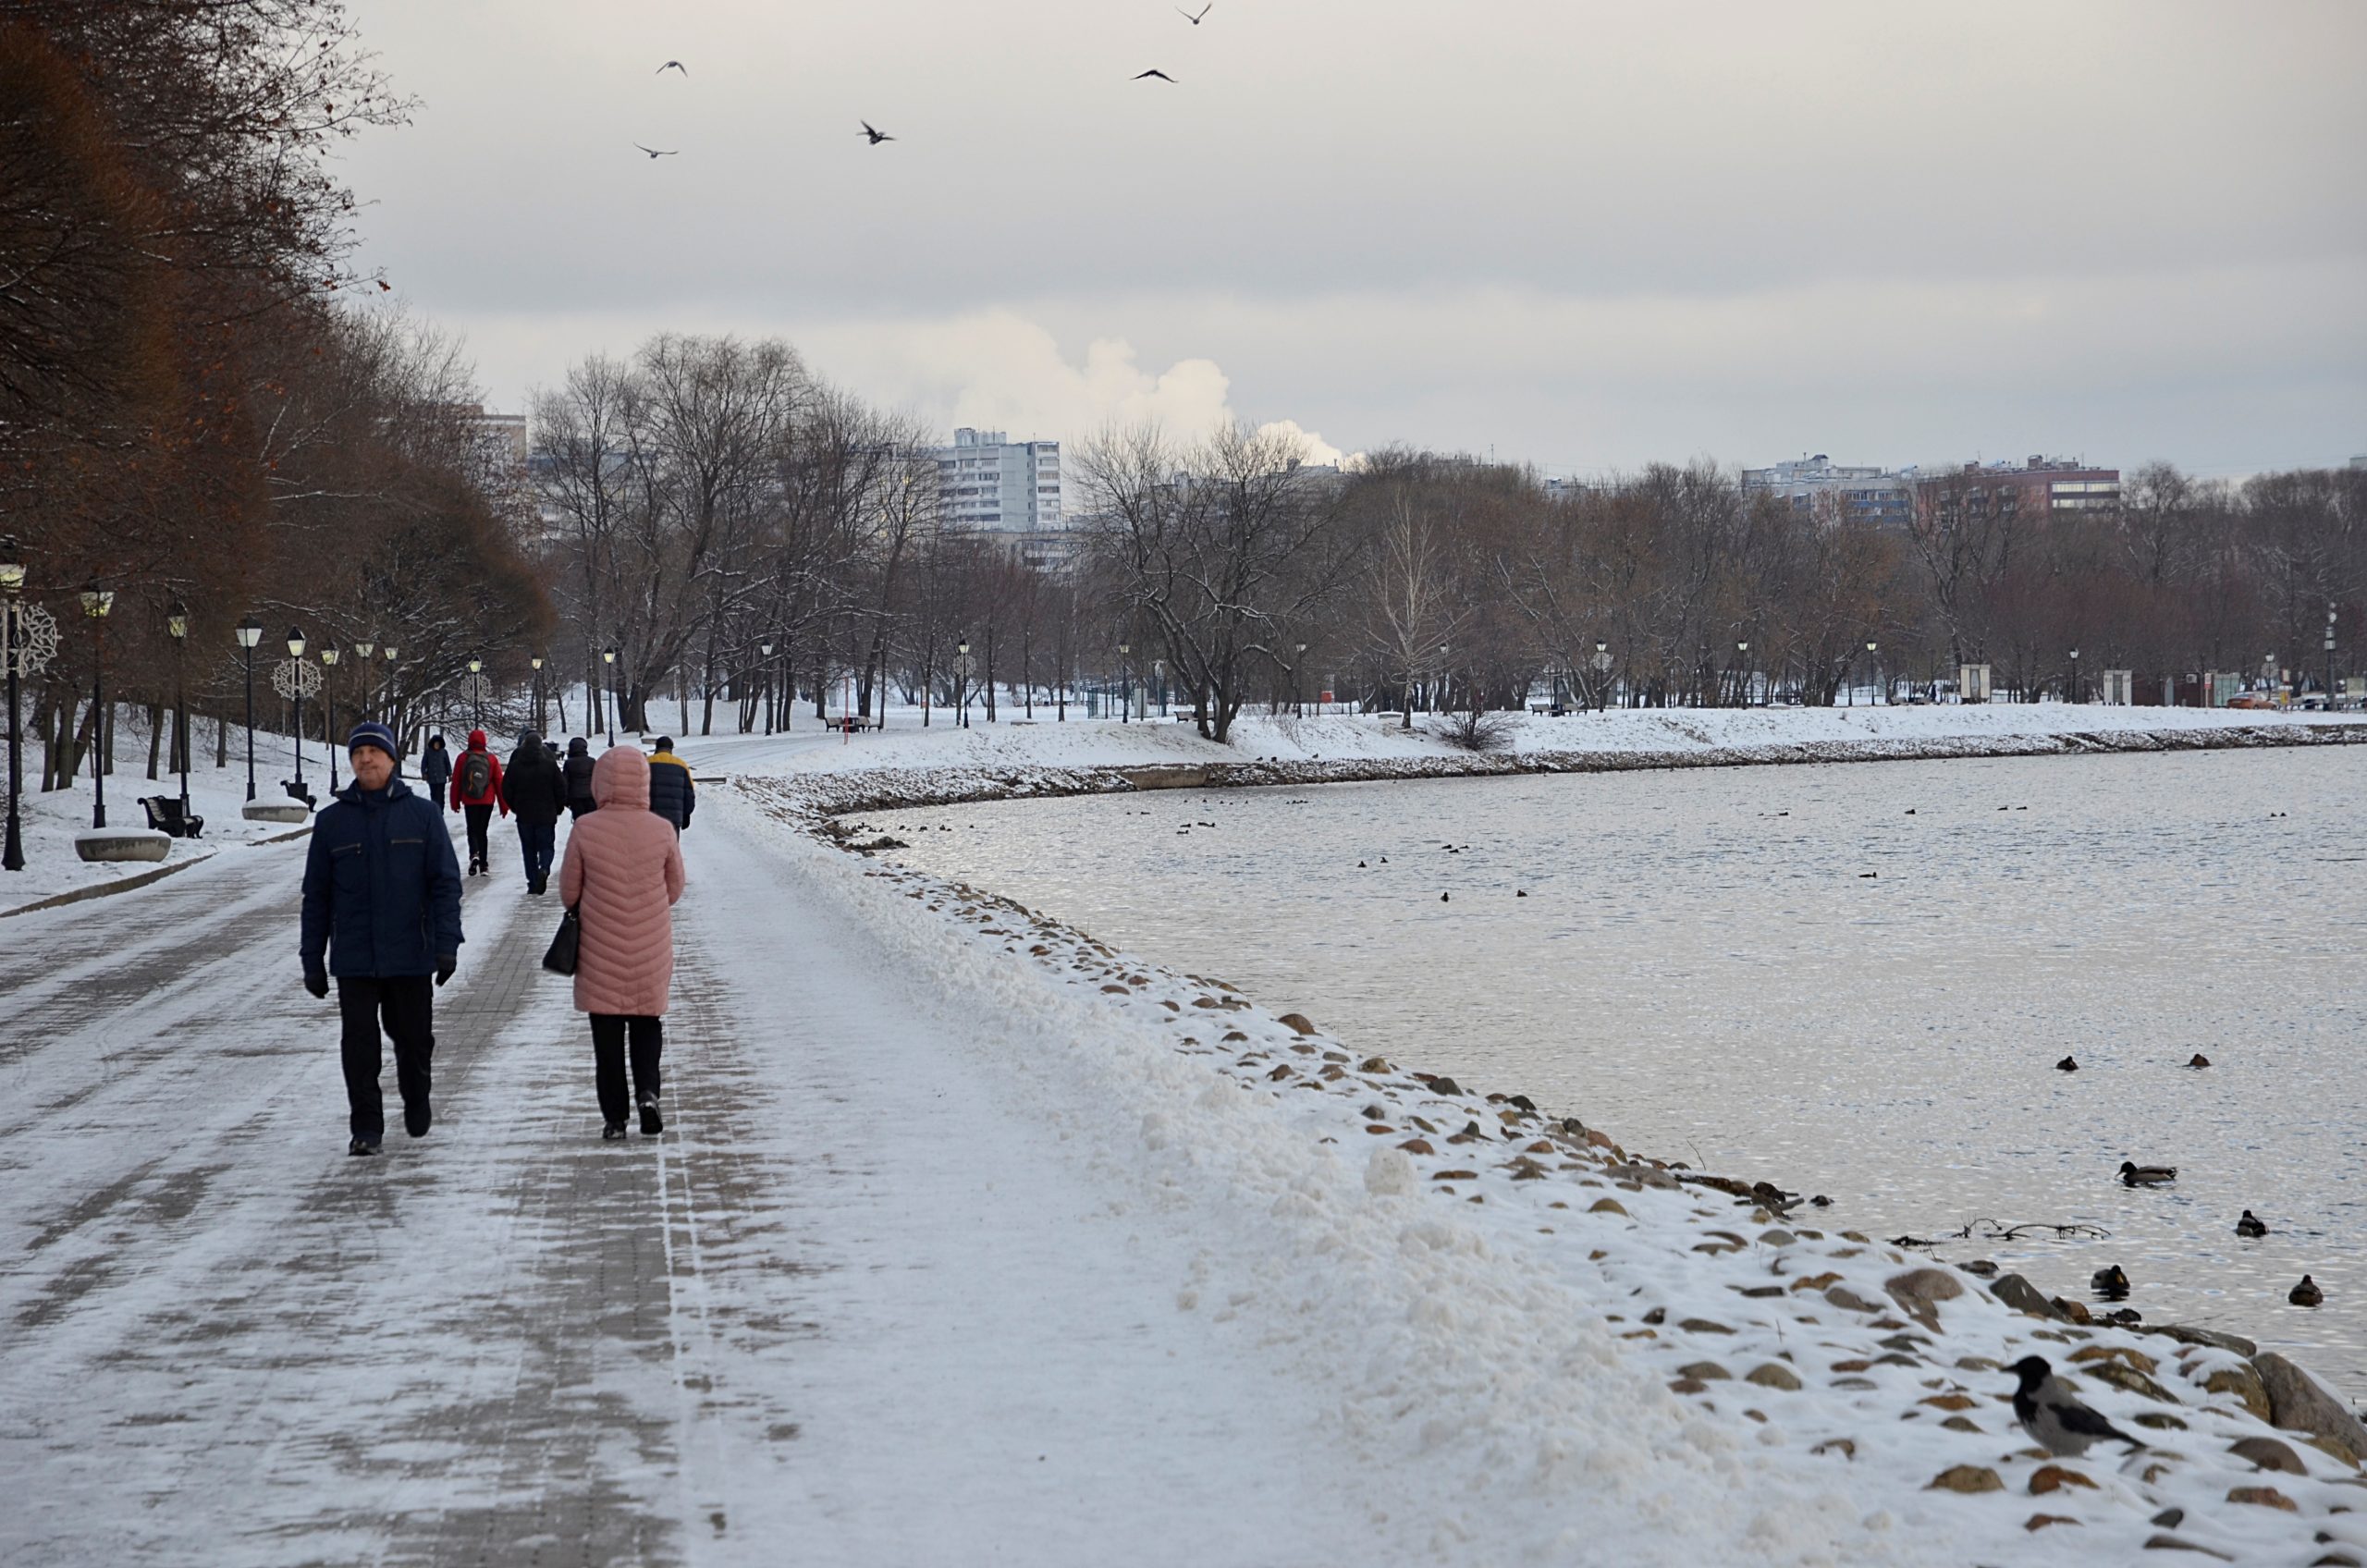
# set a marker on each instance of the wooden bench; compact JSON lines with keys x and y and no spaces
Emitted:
{"x":849,"y":724}
{"x":165,"y":817}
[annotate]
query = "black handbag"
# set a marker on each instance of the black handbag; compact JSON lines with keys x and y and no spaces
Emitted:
{"x":560,"y":959}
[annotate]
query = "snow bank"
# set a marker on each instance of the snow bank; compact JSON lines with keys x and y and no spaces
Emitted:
{"x":1566,"y":1352}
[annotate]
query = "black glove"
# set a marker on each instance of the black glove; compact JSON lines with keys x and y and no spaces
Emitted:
{"x":317,"y":980}
{"x":444,"y":966}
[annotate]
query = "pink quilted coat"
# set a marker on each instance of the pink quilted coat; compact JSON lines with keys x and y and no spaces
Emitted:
{"x":622,"y":875}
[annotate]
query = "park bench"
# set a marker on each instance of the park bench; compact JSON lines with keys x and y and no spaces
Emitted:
{"x":851,"y":724}
{"x":165,"y":817}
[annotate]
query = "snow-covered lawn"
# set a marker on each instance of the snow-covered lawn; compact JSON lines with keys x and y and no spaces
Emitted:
{"x":51,"y":821}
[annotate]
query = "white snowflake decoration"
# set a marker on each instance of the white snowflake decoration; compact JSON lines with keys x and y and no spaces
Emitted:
{"x":36,"y":642}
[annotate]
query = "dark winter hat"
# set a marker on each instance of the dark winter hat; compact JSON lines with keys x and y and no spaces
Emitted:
{"x":373,"y":734}
{"x":665,"y":743}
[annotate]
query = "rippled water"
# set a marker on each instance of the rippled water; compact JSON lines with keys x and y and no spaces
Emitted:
{"x":1850,"y":980}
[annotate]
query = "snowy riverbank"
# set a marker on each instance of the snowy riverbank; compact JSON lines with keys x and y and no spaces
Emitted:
{"x":1567,"y":1343}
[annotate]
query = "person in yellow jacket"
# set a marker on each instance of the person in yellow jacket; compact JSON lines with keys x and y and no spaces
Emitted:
{"x":670,"y":795}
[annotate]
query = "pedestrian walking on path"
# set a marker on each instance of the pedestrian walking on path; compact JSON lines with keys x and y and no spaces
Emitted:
{"x":622,"y":875}
{"x":535,"y":791}
{"x":579,"y":778}
{"x":476,"y":790}
{"x":435,"y":769}
{"x":670,"y":795}
{"x":381,"y":914}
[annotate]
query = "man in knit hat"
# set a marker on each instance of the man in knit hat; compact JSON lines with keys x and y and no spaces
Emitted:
{"x":382,"y":915}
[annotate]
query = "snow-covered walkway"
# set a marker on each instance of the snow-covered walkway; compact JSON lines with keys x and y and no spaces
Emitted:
{"x":852,"y":1300}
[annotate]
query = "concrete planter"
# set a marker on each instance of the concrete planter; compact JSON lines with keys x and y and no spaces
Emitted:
{"x":276,"y":811}
{"x":109,"y":845}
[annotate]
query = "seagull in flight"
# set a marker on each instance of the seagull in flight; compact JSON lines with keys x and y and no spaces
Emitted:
{"x":1161,"y":75}
{"x":673,"y":66}
{"x":877,"y":136}
{"x":1193,"y":20}
{"x":669,"y":152}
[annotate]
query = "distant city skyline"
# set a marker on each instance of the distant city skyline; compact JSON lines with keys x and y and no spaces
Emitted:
{"x":1586,"y":235}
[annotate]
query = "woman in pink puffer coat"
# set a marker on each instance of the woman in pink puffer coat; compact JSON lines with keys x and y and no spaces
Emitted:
{"x":622,"y":877}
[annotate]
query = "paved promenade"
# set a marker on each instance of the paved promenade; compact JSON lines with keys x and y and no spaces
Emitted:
{"x":223,"y":1342}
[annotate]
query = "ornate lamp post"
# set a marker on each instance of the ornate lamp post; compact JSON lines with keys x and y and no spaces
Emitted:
{"x":1125,"y":684}
{"x":295,"y":683}
{"x":249,"y":632}
{"x":12,"y":652}
{"x":96,"y":602}
{"x":766,"y":648}
{"x":328,"y":712}
{"x":1742,"y":674}
{"x":362,"y":650}
{"x":477,"y":691}
{"x":1873,"y":672}
{"x":609,"y":658}
{"x":178,"y":624}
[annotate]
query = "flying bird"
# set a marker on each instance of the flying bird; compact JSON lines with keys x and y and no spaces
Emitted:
{"x":1161,"y":75}
{"x":877,"y":136}
{"x":669,"y":152}
{"x":1193,"y":20}
{"x":2053,"y":1414}
{"x":672,"y":66}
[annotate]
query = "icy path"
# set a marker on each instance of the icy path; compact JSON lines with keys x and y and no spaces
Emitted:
{"x":856,"y":1299}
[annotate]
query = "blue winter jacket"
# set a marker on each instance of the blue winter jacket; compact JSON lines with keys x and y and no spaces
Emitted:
{"x":382,"y":886}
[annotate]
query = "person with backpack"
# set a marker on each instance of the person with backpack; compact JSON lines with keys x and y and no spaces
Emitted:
{"x":578,"y":771}
{"x":381,"y":916}
{"x":622,"y":875}
{"x":435,"y":769}
{"x":670,"y":795}
{"x":476,"y":790}
{"x":534,"y":792}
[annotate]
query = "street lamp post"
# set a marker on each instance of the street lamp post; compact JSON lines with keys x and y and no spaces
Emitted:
{"x":96,"y":602}
{"x":1298,"y":687}
{"x":477,"y":691}
{"x":1159,"y":674}
{"x":766,"y":648}
{"x":12,"y":589}
{"x":1125,"y":683}
{"x":1601,"y":675}
{"x":328,"y":712}
{"x":608,"y":659}
{"x":537,"y":679}
{"x":296,"y":651}
{"x":362,"y":650}
{"x":178,"y":624}
{"x":2076,"y":696}
{"x":1873,"y":673}
{"x":2329,"y":658}
{"x":386,"y":698}
{"x":1437,"y":689}
{"x":1742,"y":674}
{"x":249,"y":632}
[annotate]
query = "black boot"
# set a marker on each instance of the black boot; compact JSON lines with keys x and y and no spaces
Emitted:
{"x":370,"y":1146}
{"x":651,"y":1122}
{"x":612,"y":1131}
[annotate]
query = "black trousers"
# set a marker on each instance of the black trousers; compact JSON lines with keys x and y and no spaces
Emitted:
{"x":575,"y":809}
{"x":406,"y":1003}
{"x":539,"y":841}
{"x":608,"y":1033}
{"x":479,"y":852}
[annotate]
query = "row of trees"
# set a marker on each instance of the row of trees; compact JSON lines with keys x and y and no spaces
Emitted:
{"x":735,"y":530}
{"x":195,"y":408}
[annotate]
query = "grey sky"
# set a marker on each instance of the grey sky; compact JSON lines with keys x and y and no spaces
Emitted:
{"x":1587,"y":234}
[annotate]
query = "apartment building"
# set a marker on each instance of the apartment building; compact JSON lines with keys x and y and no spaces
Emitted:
{"x":994,"y":484}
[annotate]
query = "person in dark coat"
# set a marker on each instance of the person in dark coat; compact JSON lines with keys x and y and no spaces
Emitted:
{"x":477,"y":789}
{"x":435,"y":769}
{"x":578,"y":771}
{"x":535,"y":791}
{"x":381,"y":914}
{"x":670,"y":795}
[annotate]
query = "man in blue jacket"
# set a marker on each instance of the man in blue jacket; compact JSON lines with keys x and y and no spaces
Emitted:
{"x":381,"y":914}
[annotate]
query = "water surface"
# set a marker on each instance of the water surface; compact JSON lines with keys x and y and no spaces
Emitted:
{"x":1852,"y":980}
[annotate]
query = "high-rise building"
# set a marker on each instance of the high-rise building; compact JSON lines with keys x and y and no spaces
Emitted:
{"x":1876,"y":494}
{"x":992,"y":483}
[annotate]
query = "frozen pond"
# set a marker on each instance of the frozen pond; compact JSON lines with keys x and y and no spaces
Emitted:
{"x":1849,"y":980}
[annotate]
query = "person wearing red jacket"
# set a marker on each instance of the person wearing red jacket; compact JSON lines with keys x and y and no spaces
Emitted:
{"x":477,"y":789}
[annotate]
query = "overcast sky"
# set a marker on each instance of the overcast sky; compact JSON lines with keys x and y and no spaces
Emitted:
{"x":1582,"y":234}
